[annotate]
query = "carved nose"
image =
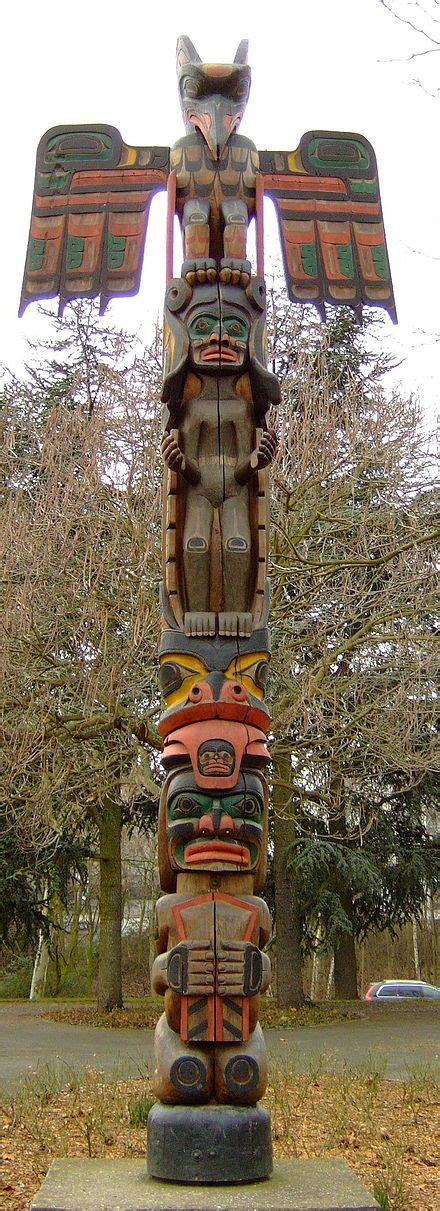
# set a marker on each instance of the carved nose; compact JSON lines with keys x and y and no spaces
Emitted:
{"x":206,"y":826}
{"x":233,"y":691}
{"x":201,"y":692}
{"x":227,"y":826}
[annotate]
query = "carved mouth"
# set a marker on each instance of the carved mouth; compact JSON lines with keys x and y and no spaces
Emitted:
{"x":210,"y":768}
{"x":215,"y":851}
{"x":216,"y":354}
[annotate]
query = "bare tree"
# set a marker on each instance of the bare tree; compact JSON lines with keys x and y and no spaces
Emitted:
{"x":81,"y":548}
{"x":424,"y":21}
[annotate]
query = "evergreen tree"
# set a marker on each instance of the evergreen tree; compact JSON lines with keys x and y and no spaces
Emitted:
{"x":353,"y":660}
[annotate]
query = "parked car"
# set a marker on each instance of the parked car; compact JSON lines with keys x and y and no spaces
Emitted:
{"x":400,"y":990}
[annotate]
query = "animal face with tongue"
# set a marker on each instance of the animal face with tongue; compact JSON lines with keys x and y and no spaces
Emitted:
{"x":214,"y":831}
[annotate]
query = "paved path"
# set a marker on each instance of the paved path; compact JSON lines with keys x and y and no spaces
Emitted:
{"x":29,"y":1042}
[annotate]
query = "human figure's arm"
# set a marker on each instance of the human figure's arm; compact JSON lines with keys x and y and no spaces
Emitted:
{"x":261,"y":456}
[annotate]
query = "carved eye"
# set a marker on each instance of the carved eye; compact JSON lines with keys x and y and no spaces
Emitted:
{"x":170,"y":678}
{"x":236,"y":328}
{"x":261,"y":675}
{"x":186,"y":806}
{"x":202,"y":327}
{"x":191,"y":88}
{"x":251,"y":806}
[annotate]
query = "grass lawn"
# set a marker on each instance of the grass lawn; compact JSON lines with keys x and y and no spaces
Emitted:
{"x":384,"y":1129}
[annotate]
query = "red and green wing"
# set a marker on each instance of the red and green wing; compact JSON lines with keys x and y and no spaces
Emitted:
{"x":329,"y":212}
{"x":90,"y":207}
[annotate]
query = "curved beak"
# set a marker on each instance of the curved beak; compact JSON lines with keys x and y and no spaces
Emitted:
{"x":216,"y":122}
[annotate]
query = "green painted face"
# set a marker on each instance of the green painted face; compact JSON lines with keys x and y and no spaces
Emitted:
{"x":205,"y":325}
{"x":208,"y":832}
{"x":219,"y":342}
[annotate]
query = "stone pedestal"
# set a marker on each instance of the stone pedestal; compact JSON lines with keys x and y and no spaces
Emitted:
{"x":123,"y":1185}
{"x":201,"y":1145}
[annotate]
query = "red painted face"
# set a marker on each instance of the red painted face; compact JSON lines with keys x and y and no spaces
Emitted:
{"x":216,"y":750}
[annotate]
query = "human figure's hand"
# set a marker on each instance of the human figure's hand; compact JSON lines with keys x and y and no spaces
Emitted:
{"x":190,"y":968}
{"x":172,"y":454}
{"x":239,"y":969}
{"x":267,"y":448}
{"x":176,"y":461}
{"x":261,"y":456}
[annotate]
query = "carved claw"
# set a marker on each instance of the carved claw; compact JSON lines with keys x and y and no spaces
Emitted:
{"x":200,"y":270}
{"x":235,"y":624}
{"x":190,"y":968}
{"x":198,"y":623}
{"x":238,"y":273}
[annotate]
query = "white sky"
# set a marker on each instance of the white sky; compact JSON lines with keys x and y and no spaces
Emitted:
{"x":321,"y":64}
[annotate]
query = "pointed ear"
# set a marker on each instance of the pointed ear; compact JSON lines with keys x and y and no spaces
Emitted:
{"x":186,"y":52}
{"x":242,"y":51}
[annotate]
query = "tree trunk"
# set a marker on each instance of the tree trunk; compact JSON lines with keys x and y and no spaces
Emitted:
{"x":330,"y":978}
{"x":290,"y":989}
{"x":39,"y":974}
{"x":110,"y":904}
{"x":345,"y":968}
{"x":41,"y":961}
{"x":316,"y":966}
{"x":430,"y":922}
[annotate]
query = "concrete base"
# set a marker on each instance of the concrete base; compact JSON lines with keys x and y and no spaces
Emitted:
{"x":108,"y":1185}
{"x":209,"y":1145}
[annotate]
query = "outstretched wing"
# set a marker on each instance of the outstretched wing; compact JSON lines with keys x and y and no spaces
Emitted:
{"x":329,"y":212}
{"x":90,"y":207}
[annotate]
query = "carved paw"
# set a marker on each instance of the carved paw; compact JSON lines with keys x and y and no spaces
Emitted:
{"x":201,"y":270}
{"x":235,"y":624}
{"x":198,"y":623}
{"x":238,"y":273}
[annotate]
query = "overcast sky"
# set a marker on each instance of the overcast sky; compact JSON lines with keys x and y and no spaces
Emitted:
{"x":328,"y":64}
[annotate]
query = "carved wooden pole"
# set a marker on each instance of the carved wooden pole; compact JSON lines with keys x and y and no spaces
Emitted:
{"x":89,"y":219}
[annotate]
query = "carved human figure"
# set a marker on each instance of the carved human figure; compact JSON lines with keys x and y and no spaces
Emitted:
{"x":211,"y":931}
{"x":217,"y":443}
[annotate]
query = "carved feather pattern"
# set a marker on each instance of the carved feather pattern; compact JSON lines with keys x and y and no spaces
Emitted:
{"x":329,"y":212}
{"x":90,"y":208}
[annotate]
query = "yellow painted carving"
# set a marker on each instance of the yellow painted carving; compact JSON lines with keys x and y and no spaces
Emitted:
{"x":241,"y":669}
{"x":294,"y":161}
{"x":196,"y":671}
{"x":193,"y":387}
{"x":128,"y":156}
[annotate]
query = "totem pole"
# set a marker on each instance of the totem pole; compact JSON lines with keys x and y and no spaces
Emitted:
{"x":89,"y":219}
